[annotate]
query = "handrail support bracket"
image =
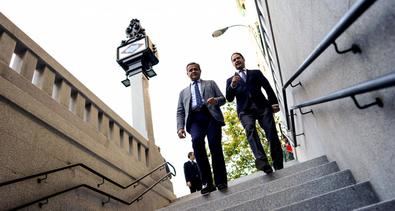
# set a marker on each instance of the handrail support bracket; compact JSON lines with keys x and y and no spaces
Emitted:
{"x":304,"y":113}
{"x":39,"y":180}
{"x":378,"y":102}
{"x":298,"y":84}
{"x":354,"y":48}
{"x":105,"y":202}
{"x":41,"y":204}
{"x":300,"y":134}
{"x":98,"y":185}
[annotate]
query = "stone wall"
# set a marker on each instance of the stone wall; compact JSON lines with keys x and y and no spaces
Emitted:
{"x":50,"y":120}
{"x":361,"y":140}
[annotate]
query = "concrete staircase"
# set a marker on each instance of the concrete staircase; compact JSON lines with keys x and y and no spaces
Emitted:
{"x":316,"y":184}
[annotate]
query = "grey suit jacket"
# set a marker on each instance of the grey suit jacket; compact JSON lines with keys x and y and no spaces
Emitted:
{"x":209,"y":89}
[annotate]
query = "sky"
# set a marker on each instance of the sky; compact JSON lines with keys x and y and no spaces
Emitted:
{"x":82,"y":35}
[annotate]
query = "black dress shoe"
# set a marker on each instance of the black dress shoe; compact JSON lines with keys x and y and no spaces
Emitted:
{"x":263,"y":166}
{"x":278,"y":167}
{"x":222,"y":187}
{"x":207,"y":190}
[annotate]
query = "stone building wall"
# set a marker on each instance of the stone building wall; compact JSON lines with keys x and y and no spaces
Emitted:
{"x":49,"y":120}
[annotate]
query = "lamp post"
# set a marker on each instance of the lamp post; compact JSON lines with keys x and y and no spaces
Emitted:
{"x":137,"y":54}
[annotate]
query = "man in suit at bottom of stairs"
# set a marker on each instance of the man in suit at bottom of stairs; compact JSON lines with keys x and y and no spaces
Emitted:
{"x":192,"y":174}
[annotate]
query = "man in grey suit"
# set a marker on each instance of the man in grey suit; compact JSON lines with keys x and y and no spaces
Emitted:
{"x":199,"y":113}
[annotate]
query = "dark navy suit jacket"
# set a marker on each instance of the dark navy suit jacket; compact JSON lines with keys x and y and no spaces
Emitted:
{"x":192,"y":173}
{"x":250,"y":92}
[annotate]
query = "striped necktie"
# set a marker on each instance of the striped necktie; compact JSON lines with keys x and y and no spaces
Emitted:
{"x":243,"y":75}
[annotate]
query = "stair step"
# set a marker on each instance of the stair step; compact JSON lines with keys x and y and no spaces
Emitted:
{"x":348,"y":198}
{"x":257,"y":176}
{"x":381,"y":206}
{"x":264,"y":189}
{"x":245,"y":183}
{"x":298,"y":193}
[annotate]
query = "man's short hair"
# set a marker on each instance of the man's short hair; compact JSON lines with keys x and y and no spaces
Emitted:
{"x":237,"y":53}
{"x":190,"y":154}
{"x":193,"y":63}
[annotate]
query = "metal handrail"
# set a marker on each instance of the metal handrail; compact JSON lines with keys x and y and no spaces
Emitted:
{"x":347,"y":20}
{"x":367,"y":86}
{"x":139,"y":197}
{"x":381,"y":82}
{"x":135,"y":183}
{"x":87,"y":168}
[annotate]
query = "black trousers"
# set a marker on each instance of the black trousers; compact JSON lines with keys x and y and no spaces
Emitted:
{"x":202,"y":124}
{"x":195,"y":186}
{"x":266,"y":121}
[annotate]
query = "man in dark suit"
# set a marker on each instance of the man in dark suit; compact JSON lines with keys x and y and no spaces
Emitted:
{"x":192,"y":174}
{"x":199,"y":112}
{"x":246,"y":86}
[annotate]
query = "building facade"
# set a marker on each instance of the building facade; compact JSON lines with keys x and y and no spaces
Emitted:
{"x":50,"y":120}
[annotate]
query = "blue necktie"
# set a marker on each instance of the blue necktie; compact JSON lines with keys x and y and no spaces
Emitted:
{"x":199,"y":102}
{"x":243,"y":75}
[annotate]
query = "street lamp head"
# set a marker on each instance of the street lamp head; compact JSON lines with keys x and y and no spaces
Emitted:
{"x":219,"y":32}
{"x":137,"y":54}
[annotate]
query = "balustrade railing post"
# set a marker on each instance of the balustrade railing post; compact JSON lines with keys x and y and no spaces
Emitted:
{"x":28,"y":65}
{"x":7,"y":47}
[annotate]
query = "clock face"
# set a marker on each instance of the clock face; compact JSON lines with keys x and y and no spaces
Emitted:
{"x":132,"y":48}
